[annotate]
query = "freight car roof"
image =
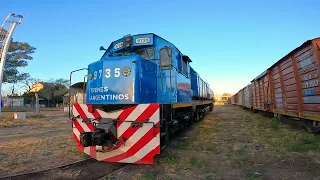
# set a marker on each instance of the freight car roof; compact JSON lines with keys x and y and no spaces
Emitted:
{"x":295,"y":50}
{"x":260,"y":76}
{"x":284,"y":57}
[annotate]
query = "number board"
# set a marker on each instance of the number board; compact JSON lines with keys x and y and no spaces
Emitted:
{"x":110,"y":81}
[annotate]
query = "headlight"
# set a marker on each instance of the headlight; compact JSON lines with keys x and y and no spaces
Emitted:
{"x":90,"y":76}
{"x":126,"y":71}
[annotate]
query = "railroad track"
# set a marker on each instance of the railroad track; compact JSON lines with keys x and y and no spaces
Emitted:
{"x":84,"y":169}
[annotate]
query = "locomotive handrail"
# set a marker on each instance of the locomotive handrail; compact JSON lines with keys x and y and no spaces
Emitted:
{"x":69,"y":104}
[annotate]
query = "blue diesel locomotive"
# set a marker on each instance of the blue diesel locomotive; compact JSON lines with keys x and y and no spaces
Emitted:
{"x":140,"y":93}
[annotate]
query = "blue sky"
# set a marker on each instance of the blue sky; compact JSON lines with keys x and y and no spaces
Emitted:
{"x":230,"y":42}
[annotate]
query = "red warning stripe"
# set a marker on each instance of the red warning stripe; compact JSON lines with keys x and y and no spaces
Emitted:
{"x":124,"y":114}
{"x":137,"y":146}
{"x":80,"y":111}
{"x":93,"y":152}
{"x":148,"y":158}
{"x":78,"y":142}
{"x":83,"y":115}
{"x":95,"y":113}
{"x":80,"y":129}
{"x":78,"y":126}
{"x":148,"y":112}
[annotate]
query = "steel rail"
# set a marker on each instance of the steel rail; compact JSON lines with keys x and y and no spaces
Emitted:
{"x":97,"y":172}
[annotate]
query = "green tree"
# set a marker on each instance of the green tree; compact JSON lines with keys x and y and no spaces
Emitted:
{"x":18,"y":55}
{"x":54,"y":90}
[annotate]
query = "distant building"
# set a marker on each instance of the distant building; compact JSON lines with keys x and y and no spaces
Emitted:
{"x":225,"y":98}
{"x":13,"y":101}
{"x":77,"y":95}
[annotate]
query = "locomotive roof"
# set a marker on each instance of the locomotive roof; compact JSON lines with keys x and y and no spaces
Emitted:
{"x":185,"y":57}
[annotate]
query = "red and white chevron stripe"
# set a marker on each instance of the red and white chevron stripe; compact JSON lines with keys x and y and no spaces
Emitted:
{"x":141,"y":144}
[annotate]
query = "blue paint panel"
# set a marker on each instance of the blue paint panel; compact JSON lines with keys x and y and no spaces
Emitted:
{"x":199,"y":87}
{"x":311,"y":100}
{"x":112,"y":87}
{"x":165,"y":94}
{"x":184,"y":92}
{"x":309,"y":92}
{"x":148,"y":81}
{"x":194,"y":82}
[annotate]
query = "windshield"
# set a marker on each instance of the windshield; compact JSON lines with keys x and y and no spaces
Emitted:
{"x":146,"y":53}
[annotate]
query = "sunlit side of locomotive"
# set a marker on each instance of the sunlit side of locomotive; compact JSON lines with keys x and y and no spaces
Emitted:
{"x":137,"y":95}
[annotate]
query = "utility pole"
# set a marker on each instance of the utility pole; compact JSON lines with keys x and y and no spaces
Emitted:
{"x":6,"y":31}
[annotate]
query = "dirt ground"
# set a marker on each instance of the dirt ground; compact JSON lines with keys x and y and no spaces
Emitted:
{"x":36,"y":143}
{"x":232,"y":143}
{"x":48,"y":112}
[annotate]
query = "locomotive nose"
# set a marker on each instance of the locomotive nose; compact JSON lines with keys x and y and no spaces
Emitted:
{"x":111,"y":81}
{"x":121,"y":80}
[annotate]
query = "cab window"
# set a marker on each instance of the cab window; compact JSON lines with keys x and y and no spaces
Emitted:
{"x":165,"y":58}
{"x":146,"y":53}
{"x":184,"y":67}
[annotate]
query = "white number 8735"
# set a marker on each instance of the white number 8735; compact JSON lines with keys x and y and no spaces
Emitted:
{"x":116,"y":72}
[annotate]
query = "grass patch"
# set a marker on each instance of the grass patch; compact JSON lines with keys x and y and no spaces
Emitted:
{"x":239,"y":152}
{"x":259,"y":120}
{"x":148,"y":176}
{"x":303,"y":147}
{"x":193,"y":161}
{"x":170,"y":159}
{"x":210,"y":149}
{"x":239,"y":158}
{"x":145,"y":176}
{"x":208,"y":131}
{"x":184,"y":143}
{"x":275,"y":124}
{"x":254,"y":175}
{"x":305,"y":144}
{"x":107,"y":178}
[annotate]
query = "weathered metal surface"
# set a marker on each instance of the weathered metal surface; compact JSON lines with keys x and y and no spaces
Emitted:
{"x":291,"y":85}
